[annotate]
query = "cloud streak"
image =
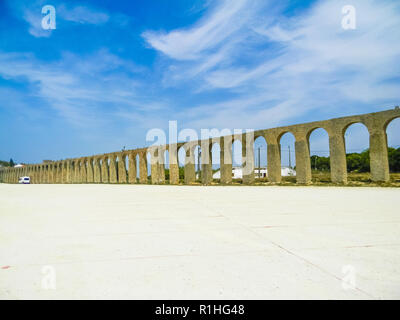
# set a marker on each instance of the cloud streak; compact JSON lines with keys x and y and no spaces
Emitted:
{"x":303,"y":62}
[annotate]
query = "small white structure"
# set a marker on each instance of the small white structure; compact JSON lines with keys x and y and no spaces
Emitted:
{"x":237,"y":173}
{"x":24,"y":180}
{"x":19,"y":165}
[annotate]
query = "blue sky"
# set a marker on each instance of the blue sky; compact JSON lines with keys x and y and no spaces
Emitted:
{"x":112,"y":70}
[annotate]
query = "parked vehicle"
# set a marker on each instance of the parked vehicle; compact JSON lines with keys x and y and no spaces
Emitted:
{"x":24,"y":180}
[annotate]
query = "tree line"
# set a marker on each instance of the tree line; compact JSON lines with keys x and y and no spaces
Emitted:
{"x":357,"y":162}
{"x":7,"y":163}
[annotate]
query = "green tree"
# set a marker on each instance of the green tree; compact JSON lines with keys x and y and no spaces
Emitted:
{"x":12,"y":164}
{"x":394,"y":159}
{"x":320,"y":163}
{"x":4,"y":163}
{"x":182,"y":173}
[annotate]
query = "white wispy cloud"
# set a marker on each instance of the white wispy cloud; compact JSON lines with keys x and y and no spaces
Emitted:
{"x":81,"y":14}
{"x":280,"y":67}
{"x":85,"y":90}
{"x":208,"y":34}
{"x":31,"y":12}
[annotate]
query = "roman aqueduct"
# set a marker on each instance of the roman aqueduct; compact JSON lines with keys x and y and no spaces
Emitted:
{"x":112,"y":167}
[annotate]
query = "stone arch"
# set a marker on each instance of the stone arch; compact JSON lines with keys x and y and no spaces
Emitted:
{"x":143,"y":167}
{"x":123,"y":167}
{"x":260,"y":156}
{"x":96,"y":170}
{"x":104,"y":170}
{"x":113,"y":168}
{"x":165,"y":167}
{"x":237,"y":159}
{"x":357,"y":142}
{"x":189,"y":164}
{"x":318,"y":145}
{"x":216,"y":160}
{"x":392,"y":128}
{"x":90,"y":170}
{"x":198,"y":153}
{"x":173,"y":164}
{"x":137,"y":160}
{"x":150,"y":165}
{"x":287,"y":145}
{"x":84,"y":170}
{"x":132,"y":168}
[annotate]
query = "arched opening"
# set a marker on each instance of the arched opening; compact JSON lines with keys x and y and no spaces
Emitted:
{"x":288,"y":157}
{"x":356,"y":137}
{"x":260,"y":159}
{"x":216,"y":162}
{"x":137,"y":160}
{"x":166,"y":165}
{"x":100,"y":170}
{"x":393,"y":139}
{"x":318,"y":142}
{"x":197,"y":162}
{"x":125,"y":161}
{"x":148,"y":157}
{"x":237,"y":171}
{"x":181,"y":163}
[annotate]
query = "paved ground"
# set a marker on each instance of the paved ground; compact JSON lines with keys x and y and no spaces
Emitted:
{"x":147,"y":242}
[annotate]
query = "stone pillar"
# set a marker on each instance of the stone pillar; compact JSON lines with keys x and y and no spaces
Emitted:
{"x":190,"y":172}
{"x":274,"y":160}
{"x":83,"y":171}
{"x":337,"y":154}
{"x":36,"y":174}
{"x":53,"y":176}
{"x":113,"y":169}
{"x":173,"y":164}
{"x":132,"y":173}
{"x":378,"y":154}
{"x":89,"y":172}
{"x":248,"y":157}
{"x":63,"y":172}
{"x":43,"y":174}
{"x":50,"y":173}
{"x":69,"y":169}
{"x":303,"y":163}
{"x":55,"y":173}
{"x":205,"y":161}
{"x":154,"y":165}
{"x":121,"y":169}
{"x":76,"y":172}
{"x":46,"y":173}
{"x":31,"y":174}
{"x":161,"y":171}
{"x":226,"y":159}
{"x":104,"y":171}
{"x":142,"y":167}
{"x":161,"y":164}
{"x":97,"y":170}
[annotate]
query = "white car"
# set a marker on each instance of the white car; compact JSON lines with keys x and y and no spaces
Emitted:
{"x":24,"y":180}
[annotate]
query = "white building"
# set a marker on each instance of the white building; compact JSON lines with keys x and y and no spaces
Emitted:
{"x":237,"y":173}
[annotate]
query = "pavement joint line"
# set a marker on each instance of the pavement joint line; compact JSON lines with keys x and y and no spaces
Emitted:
{"x":300,"y":257}
{"x":13,"y":266}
